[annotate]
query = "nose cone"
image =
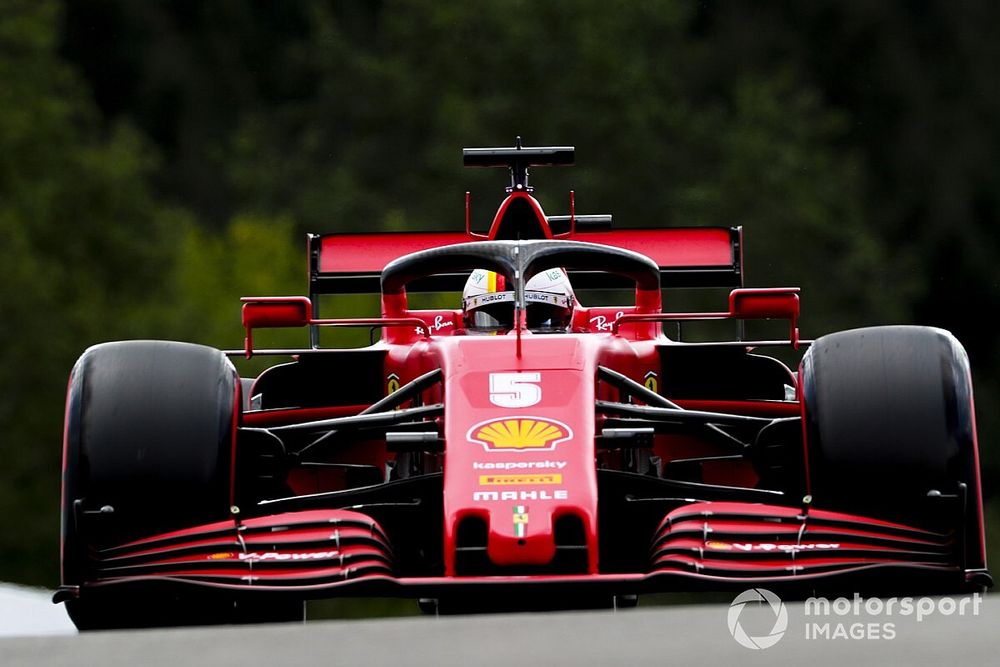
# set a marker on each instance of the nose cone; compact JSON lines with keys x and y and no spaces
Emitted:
{"x":526,"y":535}
{"x":520,"y":453}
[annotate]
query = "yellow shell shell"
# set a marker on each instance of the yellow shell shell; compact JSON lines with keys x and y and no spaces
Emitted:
{"x":520,"y":433}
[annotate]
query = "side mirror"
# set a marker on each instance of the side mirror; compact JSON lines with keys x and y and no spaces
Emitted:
{"x":273,"y":312}
{"x":774,"y":303}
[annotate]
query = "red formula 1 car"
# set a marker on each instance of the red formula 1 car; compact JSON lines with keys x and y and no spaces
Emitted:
{"x":525,"y":449}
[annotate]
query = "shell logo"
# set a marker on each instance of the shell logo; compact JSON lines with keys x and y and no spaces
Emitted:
{"x":517,"y":434}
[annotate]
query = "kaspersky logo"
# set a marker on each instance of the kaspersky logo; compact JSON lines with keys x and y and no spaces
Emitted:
{"x":519,"y":434}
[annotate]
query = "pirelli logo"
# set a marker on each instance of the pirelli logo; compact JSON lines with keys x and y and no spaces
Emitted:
{"x":520,"y":480}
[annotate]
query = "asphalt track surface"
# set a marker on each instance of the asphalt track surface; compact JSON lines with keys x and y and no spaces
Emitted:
{"x":691,"y":634}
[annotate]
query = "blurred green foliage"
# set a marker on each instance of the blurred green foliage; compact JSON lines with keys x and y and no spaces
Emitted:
{"x":158,"y":160}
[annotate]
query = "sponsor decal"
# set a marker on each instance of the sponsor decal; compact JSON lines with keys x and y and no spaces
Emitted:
{"x":650,"y":381}
{"x":718,"y":546}
{"x":518,"y":434}
{"x":553,"y":274}
{"x":495,"y":297}
{"x":520,"y":520}
{"x":255,"y":556}
{"x":603,"y":323}
{"x":392,"y":383}
{"x":278,"y":556}
{"x":519,"y":465}
{"x":440,"y":323}
{"x":560,"y":300}
{"x":544,"y":494}
{"x":519,"y":480}
{"x":770,"y":546}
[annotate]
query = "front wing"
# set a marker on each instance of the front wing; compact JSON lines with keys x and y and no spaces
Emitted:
{"x":698,"y":546}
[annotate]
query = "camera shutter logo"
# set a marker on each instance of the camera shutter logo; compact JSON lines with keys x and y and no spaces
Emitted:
{"x":780,"y":618}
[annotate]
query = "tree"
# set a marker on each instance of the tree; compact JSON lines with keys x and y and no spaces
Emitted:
{"x":81,"y":242}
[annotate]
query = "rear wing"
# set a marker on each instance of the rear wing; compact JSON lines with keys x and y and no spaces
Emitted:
{"x":687,"y":257}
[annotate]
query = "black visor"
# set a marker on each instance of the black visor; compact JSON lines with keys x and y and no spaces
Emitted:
{"x":548,"y":318}
{"x":491,"y":317}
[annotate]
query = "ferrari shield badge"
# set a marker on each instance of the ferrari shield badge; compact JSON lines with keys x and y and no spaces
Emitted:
{"x":520,"y":520}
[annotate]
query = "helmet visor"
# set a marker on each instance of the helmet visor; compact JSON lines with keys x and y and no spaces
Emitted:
{"x":490,"y":312}
{"x":543,"y":318}
{"x":547,"y":312}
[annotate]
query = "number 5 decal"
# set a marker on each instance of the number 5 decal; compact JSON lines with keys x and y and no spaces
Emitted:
{"x":515,"y":390}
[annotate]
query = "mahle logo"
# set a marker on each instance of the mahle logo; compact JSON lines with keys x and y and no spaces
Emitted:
{"x":758,"y":595}
{"x":513,"y":434}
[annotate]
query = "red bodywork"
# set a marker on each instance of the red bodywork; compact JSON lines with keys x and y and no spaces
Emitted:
{"x":520,"y":484}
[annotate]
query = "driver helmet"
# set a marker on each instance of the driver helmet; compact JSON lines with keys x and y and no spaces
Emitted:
{"x":488,"y":304}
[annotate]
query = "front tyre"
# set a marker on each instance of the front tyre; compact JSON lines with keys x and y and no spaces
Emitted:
{"x":149,"y":447}
{"x":890,"y":429}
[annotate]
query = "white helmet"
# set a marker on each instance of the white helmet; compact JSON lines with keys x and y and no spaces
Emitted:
{"x":488,"y":306}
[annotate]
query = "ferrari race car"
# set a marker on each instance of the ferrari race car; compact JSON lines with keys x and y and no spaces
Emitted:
{"x":522,"y":451}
